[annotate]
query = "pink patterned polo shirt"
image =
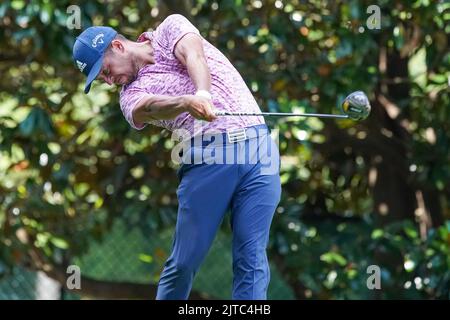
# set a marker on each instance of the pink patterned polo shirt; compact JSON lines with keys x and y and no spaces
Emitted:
{"x":167,"y":76}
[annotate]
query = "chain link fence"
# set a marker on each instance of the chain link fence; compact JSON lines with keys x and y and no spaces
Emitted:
{"x":129,"y":255}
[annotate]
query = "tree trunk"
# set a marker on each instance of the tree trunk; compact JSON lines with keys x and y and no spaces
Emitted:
{"x":393,"y":196}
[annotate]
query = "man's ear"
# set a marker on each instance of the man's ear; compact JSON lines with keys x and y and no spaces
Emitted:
{"x":117,"y":45}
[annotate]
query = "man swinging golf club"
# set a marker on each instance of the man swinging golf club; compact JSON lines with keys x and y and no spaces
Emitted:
{"x":172,"y":77}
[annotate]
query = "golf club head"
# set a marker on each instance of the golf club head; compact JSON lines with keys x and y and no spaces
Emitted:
{"x":356,"y":106}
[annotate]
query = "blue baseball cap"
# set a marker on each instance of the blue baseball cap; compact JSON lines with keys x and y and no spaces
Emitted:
{"x":89,"y":49}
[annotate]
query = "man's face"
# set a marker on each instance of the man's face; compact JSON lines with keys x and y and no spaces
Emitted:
{"x":119,"y":66}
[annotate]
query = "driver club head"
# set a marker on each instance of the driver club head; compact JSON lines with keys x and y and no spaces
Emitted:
{"x":356,"y":105}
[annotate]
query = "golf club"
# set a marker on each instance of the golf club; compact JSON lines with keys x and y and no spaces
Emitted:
{"x":355,"y":106}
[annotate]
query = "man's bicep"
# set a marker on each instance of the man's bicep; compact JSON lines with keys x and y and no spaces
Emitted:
{"x":189,"y":44}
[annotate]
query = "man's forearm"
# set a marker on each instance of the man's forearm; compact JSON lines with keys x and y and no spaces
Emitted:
{"x":159,"y":107}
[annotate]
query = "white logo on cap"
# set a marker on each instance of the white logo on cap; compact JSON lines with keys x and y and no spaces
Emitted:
{"x":98,"y":38}
{"x":81,"y":65}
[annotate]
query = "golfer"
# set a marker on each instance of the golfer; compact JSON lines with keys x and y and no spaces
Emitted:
{"x":173,"y":78}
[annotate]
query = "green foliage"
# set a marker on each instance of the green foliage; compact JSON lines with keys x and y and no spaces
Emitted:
{"x":331,"y":259}
{"x":70,"y":165}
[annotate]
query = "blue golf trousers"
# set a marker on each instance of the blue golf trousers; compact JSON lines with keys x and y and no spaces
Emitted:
{"x":250,"y":188}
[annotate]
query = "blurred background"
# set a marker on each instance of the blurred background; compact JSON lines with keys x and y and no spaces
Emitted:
{"x":79,"y":187}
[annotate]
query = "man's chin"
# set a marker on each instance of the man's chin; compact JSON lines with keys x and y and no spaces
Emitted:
{"x":128,"y":80}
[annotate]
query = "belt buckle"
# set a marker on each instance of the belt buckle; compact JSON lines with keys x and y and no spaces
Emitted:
{"x":236,"y":135}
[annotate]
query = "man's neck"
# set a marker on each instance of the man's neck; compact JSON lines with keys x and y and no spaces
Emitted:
{"x":143,"y":53}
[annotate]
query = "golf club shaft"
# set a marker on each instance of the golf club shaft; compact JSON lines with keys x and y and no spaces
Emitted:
{"x":282,"y":114}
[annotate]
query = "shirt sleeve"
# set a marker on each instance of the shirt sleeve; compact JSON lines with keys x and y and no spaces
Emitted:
{"x":175,"y":27}
{"x":129,"y":99}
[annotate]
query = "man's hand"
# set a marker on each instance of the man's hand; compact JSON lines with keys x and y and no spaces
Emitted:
{"x":200,"y":108}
